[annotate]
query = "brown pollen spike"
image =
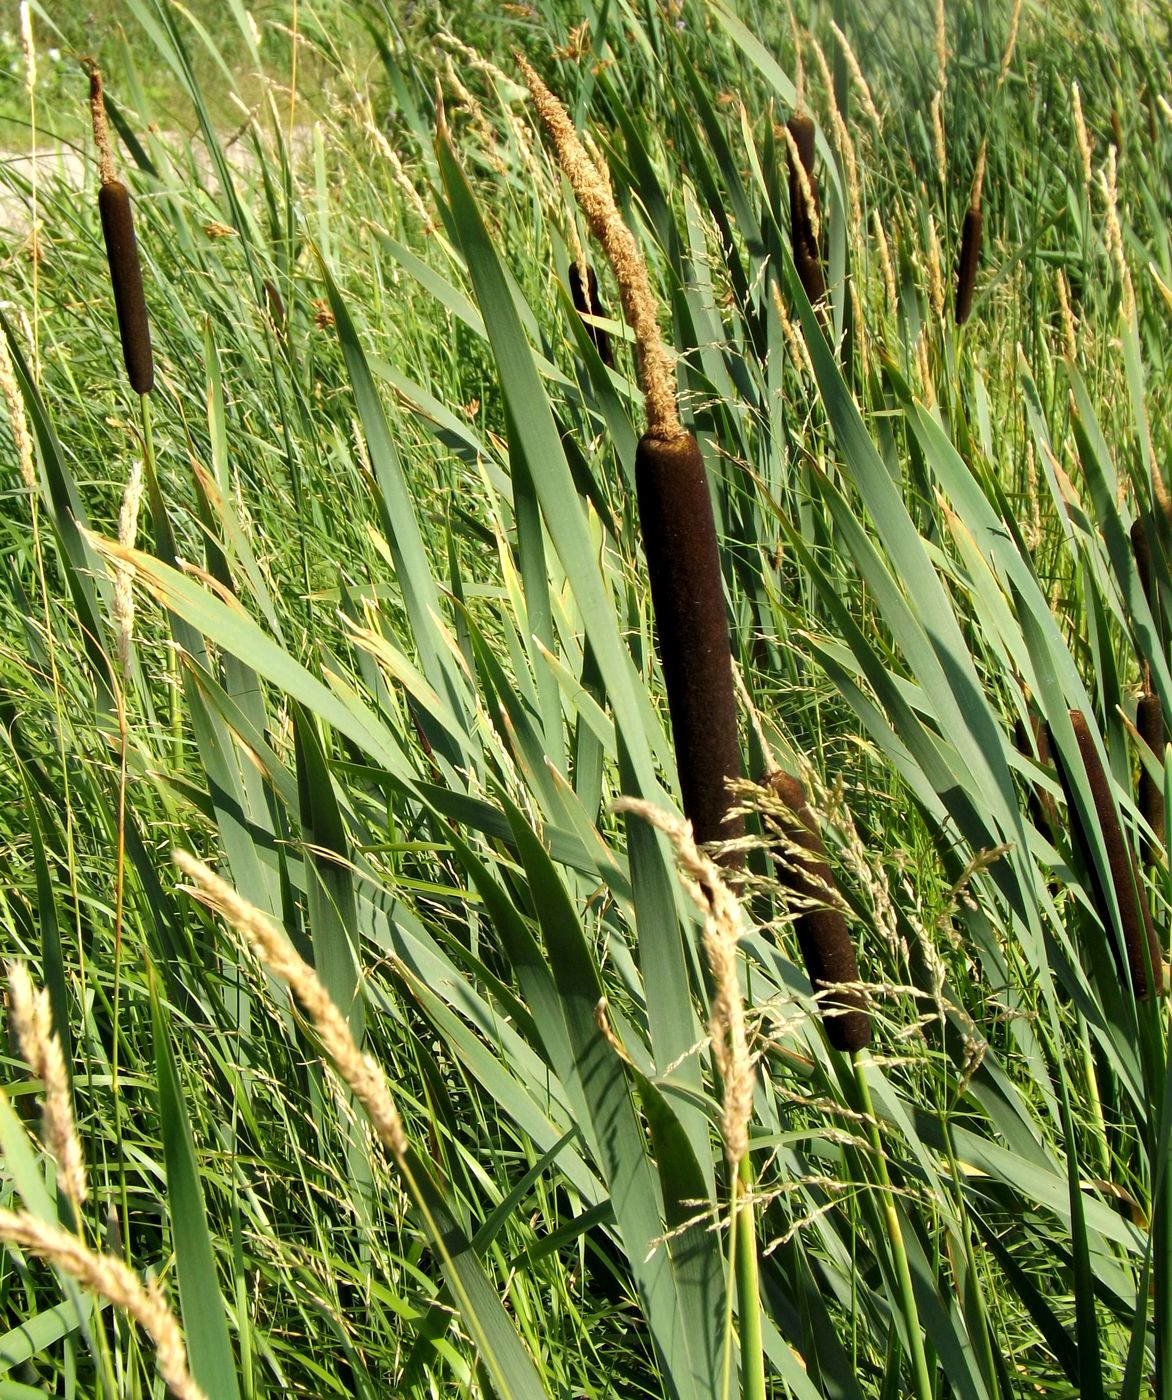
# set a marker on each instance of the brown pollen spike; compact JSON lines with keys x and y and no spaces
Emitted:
{"x":691,"y":622}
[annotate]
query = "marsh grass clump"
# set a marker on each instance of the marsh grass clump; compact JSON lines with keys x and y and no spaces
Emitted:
{"x":803,"y":870}
{"x":675,"y":515}
{"x":121,"y":252}
{"x":1141,"y":945}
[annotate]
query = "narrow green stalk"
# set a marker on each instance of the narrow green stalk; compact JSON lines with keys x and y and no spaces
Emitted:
{"x":748,"y":1286}
{"x":907,"y":1297}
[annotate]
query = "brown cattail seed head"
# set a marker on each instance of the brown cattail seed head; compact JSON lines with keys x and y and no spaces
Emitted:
{"x":1149,"y":721}
{"x":966,"y":271}
{"x":276,"y":307}
{"x":803,"y":207}
{"x":1139,"y":934}
{"x":820,"y":925}
{"x":687,"y":592}
{"x":126,"y":276}
{"x":1042,"y":808}
{"x":586,"y":304}
{"x":1142,"y":554}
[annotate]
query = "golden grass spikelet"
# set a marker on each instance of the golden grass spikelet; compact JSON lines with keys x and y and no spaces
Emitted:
{"x":108,"y":1277}
{"x":32,"y":1020}
{"x":856,"y":73}
{"x":722,"y":922}
{"x":16,"y":417}
{"x":270,"y":945}
{"x":592,"y":191}
{"x":123,"y":604}
{"x":1082,"y":136}
{"x":885,"y":264}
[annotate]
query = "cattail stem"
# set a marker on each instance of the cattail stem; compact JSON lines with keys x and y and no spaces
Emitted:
{"x":1140,"y":943}
{"x":748,"y":1285}
{"x":821,"y":927}
{"x":907,"y":1296}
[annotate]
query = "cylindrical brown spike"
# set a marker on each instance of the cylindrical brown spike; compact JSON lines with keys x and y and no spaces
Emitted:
{"x":1149,"y":721}
{"x":966,"y":269}
{"x":691,"y":622}
{"x":1135,"y":916}
{"x":1142,"y":554}
{"x":1043,"y":812}
{"x":807,"y":260}
{"x":586,"y":304}
{"x":126,"y":276}
{"x":822,"y":932}
{"x":276,"y":307}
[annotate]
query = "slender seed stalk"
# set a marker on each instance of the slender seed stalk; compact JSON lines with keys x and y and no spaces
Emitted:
{"x":907,"y":1297}
{"x":748,"y":1285}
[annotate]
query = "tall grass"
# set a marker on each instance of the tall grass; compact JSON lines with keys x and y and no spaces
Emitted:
{"x":395,"y":661}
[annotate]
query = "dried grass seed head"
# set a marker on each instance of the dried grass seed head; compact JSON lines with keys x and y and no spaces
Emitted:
{"x":32,"y":1020}
{"x":108,"y":1277}
{"x":722,"y":923}
{"x":592,"y":190}
{"x":269,"y":943}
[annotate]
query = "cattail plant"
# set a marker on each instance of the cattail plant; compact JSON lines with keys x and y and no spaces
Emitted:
{"x":804,"y":212}
{"x":1149,"y":723}
{"x":1141,"y":945}
{"x":1042,"y":809}
{"x":970,"y":244}
{"x":585,"y":295}
{"x":675,"y":514}
{"x":804,"y":871}
{"x":121,"y":252}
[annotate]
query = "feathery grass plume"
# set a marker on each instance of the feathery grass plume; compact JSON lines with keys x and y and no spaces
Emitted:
{"x":856,"y":73}
{"x":108,"y":1277}
{"x":32,"y":1020}
{"x":1082,"y":137}
{"x":885,"y":264}
{"x":123,"y":605}
{"x":804,"y":213}
{"x":1149,"y":722}
{"x":16,"y":417}
{"x":1139,"y":935}
{"x":675,"y":514}
{"x":970,"y":245}
{"x":586,"y":303}
{"x":804,"y":872}
{"x":722,"y":921}
{"x":275,"y":951}
{"x":121,"y":251}
{"x":1069,"y":333}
